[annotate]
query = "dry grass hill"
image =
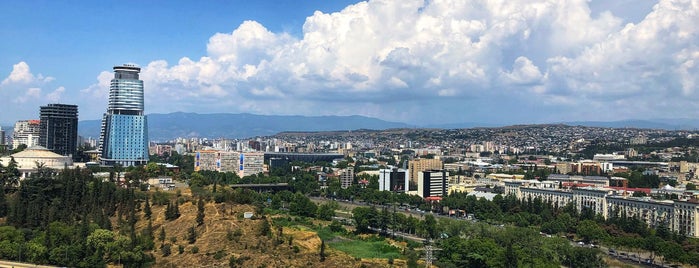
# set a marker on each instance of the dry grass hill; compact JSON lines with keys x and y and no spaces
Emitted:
{"x":225,"y":234}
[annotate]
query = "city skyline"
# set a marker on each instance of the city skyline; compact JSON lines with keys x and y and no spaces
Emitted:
{"x":415,"y":62}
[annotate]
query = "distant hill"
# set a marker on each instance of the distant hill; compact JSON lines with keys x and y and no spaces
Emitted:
{"x":169,"y":126}
{"x":163,"y":127}
{"x":668,"y":124}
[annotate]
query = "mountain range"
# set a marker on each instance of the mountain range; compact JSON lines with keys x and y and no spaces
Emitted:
{"x":163,"y":127}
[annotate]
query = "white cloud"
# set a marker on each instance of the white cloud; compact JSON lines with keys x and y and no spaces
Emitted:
{"x":56,"y":95}
{"x":524,"y":72}
{"x":31,"y":94}
{"x":385,"y":57}
{"x":21,"y":74}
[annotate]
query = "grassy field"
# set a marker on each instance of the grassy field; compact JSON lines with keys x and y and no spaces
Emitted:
{"x":367,"y":249}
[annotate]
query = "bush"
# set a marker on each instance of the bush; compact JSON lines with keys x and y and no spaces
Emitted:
{"x":195,"y":250}
{"x":165,"y":250}
{"x":180,"y":249}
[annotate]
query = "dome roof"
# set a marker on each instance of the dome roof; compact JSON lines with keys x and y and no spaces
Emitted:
{"x":37,"y":152}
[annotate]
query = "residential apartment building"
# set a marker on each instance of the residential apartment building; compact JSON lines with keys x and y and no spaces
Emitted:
{"x":241,"y":163}
{"x":346,"y":177}
{"x":681,"y":216}
{"x":26,"y":132}
{"x":417,"y":165}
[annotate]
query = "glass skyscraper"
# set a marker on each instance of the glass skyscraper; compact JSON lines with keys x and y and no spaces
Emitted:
{"x":124,"y":135}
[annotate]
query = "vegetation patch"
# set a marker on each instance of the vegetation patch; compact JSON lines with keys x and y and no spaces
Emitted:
{"x":367,"y":249}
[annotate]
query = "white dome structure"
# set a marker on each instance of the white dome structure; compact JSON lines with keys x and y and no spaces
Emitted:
{"x":28,"y":159}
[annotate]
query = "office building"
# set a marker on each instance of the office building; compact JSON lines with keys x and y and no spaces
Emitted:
{"x":422,"y":164}
{"x":432,"y":183}
{"x":394,"y":180}
{"x":26,"y":132}
{"x":124,"y":135}
{"x":58,"y":126}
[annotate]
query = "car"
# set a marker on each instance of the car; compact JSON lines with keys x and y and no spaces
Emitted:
{"x":581,"y":243}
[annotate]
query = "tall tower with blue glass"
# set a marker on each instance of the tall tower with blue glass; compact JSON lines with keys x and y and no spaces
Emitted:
{"x":124,"y":135}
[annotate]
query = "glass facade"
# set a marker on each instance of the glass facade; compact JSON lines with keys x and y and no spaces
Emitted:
{"x":124,"y":136}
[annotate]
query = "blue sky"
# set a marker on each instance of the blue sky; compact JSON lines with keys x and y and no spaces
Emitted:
{"x":420,"y":62}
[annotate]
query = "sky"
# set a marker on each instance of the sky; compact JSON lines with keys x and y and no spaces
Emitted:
{"x":414,"y":61}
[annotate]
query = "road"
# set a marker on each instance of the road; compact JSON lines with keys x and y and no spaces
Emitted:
{"x":13,"y":264}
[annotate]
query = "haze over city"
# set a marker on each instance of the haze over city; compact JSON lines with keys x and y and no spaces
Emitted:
{"x":419,"y":62}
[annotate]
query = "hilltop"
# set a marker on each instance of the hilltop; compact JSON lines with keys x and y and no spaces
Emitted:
{"x":226,"y":233}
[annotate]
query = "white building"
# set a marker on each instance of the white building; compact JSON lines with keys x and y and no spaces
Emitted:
{"x":28,"y":160}
{"x":25,"y":132}
{"x":432,"y":183}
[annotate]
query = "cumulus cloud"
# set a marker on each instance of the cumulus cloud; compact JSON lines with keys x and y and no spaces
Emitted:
{"x":31,"y":94}
{"x":21,"y":74}
{"x":383,"y":58}
{"x":56,"y":95}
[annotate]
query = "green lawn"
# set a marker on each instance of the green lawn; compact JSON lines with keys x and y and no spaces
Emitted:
{"x":367,"y":249}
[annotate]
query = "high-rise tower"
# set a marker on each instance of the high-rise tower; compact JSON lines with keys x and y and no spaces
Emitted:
{"x":124,"y":135}
{"x":58,"y":128}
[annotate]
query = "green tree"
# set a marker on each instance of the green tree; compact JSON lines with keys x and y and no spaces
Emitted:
{"x":430,"y":226}
{"x":147,"y":209}
{"x":265,"y":229}
{"x":161,"y":235}
{"x":302,"y":206}
{"x":166,"y":250}
{"x":590,"y":231}
{"x":327,"y":210}
{"x":191,"y":235}
{"x":322,"y":250}
{"x":200,"y":211}
{"x":364,"y":218}
{"x":691,"y":186}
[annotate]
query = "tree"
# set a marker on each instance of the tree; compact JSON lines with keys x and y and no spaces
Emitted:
{"x":302,"y":206}
{"x":172,"y":211}
{"x":322,"y":250}
{"x":591,"y":231}
{"x":161,"y":235}
{"x":147,"y":209}
{"x":3,"y":202}
{"x":691,"y":186}
{"x":200,"y":211}
{"x":165,"y":250}
{"x":510,"y":256}
{"x":364,"y":218}
{"x":326,"y":211}
{"x":430,"y":226}
{"x":191,"y":235}
{"x":265,"y":229}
